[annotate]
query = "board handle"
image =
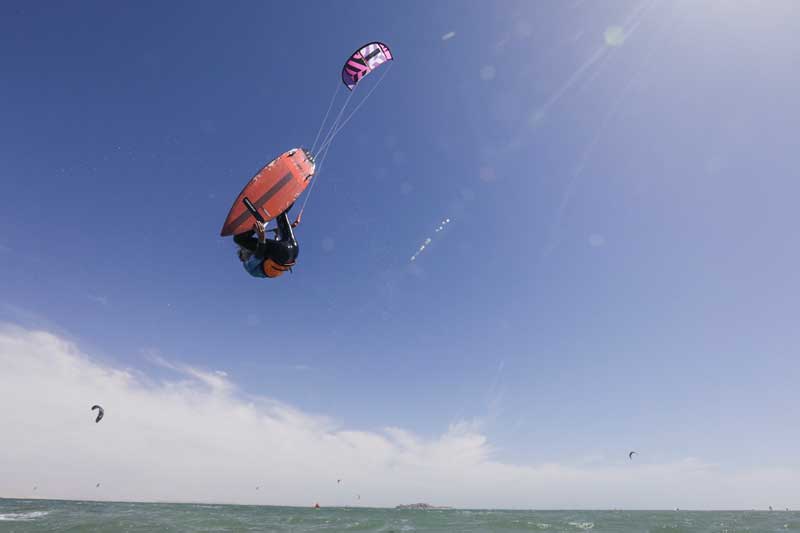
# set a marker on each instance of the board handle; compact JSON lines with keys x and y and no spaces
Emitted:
{"x":253,"y":211}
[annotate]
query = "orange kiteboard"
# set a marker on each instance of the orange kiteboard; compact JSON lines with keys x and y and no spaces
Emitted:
{"x":271,"y":191}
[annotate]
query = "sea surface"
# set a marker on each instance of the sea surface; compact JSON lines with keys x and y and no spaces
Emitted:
{"x":47,"y":515}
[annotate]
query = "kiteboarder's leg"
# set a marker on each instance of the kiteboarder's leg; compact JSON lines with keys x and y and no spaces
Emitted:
{"x":285,"y":227}
{"x":246,"y":240}
{"x":289,"y":247}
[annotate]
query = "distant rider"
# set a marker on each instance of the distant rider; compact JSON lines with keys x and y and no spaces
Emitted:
{"x":268,"y":258}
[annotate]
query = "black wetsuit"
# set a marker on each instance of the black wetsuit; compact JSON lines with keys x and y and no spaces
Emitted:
{"x":283,"y":250}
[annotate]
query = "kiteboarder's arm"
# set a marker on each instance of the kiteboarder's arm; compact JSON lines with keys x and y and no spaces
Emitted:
{"x":263,"y":247}
{"x":261,"y":229}
{"x":246,"y":240}
{"x":260,"y":246}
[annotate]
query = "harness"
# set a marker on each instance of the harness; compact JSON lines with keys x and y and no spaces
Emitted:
{"x":273,"y":269}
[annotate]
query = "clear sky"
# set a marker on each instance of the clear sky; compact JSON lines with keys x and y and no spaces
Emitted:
{"x":619,"y":272}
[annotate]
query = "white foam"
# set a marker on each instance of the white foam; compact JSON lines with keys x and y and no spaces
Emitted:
{"x":21,"y":517}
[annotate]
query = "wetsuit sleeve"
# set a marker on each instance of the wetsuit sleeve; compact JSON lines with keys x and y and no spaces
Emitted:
{"x":246,"y":240}
{"x":269,"y":248}
{"x":262,"y":250}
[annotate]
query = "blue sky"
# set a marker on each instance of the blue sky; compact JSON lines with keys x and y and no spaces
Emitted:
{"x":621,"y":260}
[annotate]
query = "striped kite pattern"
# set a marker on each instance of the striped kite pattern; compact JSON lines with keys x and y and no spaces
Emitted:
{"x":363,"y":61}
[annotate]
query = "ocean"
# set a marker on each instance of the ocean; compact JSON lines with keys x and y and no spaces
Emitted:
{"x":22,"y":516}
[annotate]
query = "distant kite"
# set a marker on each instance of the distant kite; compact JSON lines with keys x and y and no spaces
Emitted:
{"x":363,"y":61}
{"x":630,"y":455}
{"x":97,"y":486}
{"x":100,"y":413}
{"x":338,"y":481}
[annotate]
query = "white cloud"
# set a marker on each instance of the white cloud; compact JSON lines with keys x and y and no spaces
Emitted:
{"x":199,"y":438}
{"x":216,"y":381}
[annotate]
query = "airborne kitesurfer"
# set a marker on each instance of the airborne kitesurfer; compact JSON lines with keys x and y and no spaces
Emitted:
{"x":268,"y":258}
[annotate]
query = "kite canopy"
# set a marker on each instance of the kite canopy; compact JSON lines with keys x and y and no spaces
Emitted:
{"x":100,"y":413}
{"x":363,"y":61}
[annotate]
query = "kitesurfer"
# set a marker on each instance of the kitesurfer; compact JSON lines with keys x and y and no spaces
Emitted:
{"x":268,"y":258}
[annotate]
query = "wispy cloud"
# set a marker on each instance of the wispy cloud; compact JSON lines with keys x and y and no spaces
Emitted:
{"x":449,"y":35}
{"x":596,"y":240}
{"x":216,"y":380}
{"x":198,"y":437}
{"x":102,"y":300}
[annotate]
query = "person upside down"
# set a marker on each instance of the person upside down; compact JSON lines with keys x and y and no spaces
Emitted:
{"x":268,"y":258}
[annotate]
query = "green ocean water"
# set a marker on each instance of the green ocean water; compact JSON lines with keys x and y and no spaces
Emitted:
{"x":45,"y":515}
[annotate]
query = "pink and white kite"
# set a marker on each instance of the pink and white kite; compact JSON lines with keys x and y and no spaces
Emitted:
{"x":365,"y":60}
